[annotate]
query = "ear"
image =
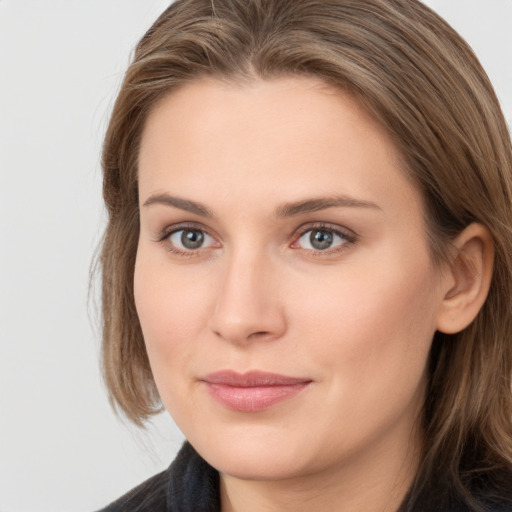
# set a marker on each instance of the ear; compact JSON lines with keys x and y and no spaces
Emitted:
{"x":467,"y":279}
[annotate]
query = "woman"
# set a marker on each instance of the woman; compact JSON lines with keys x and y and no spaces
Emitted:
{"x":308,"y":259}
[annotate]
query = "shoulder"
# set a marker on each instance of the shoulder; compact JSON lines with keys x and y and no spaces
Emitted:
{"x":190,"y":484}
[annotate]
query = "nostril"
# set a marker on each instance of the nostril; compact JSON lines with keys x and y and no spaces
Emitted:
{"x":259,"y":334}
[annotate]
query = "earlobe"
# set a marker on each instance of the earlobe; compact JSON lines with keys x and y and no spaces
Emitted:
{"x":467,"y":280}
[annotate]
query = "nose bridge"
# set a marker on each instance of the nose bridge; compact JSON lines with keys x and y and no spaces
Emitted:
{"x":248,"y":304}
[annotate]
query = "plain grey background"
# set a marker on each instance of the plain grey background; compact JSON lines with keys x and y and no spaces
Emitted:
{"x":61,"y":62}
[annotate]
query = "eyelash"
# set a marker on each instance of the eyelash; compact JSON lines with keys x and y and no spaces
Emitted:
{"x":164,"y":239}
{"x":347,"y":235}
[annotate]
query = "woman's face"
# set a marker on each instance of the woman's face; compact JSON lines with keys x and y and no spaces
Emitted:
{"x":283,"y":280}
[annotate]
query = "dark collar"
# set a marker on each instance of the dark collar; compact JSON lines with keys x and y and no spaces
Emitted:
{"x":193,"y":483}
{"x":190,"y":484}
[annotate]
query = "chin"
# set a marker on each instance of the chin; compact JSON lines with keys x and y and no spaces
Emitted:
{"x":258,"y":466}
{"x":257,"y":457}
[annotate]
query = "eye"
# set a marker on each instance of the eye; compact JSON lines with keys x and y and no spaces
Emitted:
{"x":188,"y":239}
{"x":322,"y":239}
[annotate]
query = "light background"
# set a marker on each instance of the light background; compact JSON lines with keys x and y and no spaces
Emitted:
{"x":61,"y":62}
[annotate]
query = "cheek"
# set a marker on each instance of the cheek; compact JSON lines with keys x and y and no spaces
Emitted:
{"x":371,"y":337}
{"x":374,"y":328}
{"x":169,"y":312}
{"x":170,"y":317}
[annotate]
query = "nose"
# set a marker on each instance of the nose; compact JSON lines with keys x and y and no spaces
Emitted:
{"x":248,"y":305}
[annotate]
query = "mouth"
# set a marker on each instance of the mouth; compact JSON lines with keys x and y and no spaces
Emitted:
{"x":253,"y":391}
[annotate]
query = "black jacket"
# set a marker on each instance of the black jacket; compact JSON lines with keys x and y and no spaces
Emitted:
{"x":189,"y":485}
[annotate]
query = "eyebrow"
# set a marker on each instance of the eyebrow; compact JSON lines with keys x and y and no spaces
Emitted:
{"x":322,"y":203}
{"x":178,"y":202}
{"x":286,"y":210}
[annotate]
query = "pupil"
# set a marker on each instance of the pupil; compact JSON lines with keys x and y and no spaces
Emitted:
{"x":192,"y":239}
{"x":321,"y":239}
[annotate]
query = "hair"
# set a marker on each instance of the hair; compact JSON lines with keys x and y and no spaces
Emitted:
{"x":423,"y":83}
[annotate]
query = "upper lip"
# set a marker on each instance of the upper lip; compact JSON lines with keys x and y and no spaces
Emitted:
{"x":252,"y":378}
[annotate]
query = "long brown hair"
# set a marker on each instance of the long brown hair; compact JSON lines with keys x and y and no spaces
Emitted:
{"x":416,"y":75}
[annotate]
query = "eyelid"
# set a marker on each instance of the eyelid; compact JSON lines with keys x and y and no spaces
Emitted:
{"x":349,"y":235}
{"x":163,"y":238}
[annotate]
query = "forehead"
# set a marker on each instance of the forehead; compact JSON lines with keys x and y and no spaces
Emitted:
{"x":294,"y":135}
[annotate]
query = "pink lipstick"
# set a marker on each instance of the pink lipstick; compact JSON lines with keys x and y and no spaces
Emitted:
{"x":252,"y":391}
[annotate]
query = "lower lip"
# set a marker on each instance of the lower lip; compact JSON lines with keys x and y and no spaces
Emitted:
{"x":254,"y":398}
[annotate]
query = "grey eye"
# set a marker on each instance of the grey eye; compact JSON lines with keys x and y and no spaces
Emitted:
{"x":321,"y":239}
{"x":190,"y":239}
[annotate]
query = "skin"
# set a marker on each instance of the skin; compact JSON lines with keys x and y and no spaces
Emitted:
{"x":357,"y":319}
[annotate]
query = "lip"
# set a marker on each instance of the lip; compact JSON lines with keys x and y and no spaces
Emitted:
{"x":252,"y":391}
